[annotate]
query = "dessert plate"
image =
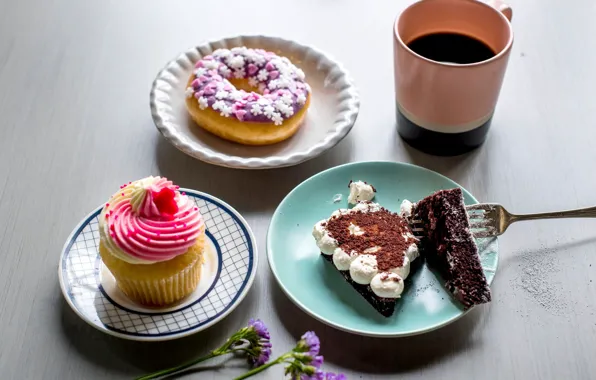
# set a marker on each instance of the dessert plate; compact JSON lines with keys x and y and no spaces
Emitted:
{"x":320,"y":290}
{"x":332,"y":113}
{"x":228,"y":273}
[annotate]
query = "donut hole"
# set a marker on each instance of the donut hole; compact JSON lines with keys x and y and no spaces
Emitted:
{"x":242,"y":84}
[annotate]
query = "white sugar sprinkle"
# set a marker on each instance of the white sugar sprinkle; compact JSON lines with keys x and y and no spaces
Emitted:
{"x":537,"y":279}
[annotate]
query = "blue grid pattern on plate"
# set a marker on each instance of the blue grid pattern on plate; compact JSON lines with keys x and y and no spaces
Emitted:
{"x":81,"y":263}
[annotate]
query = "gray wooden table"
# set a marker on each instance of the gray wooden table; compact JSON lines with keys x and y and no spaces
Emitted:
{"x":75,"y":122}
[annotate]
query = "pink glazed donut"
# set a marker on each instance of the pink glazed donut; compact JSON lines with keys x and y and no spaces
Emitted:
{"x":249,"y":96}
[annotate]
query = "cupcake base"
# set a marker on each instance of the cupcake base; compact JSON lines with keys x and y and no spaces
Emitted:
{"x":158,"y":284}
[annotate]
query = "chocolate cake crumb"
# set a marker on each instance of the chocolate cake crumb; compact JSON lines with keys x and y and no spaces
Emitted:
{"x":381,"y":228}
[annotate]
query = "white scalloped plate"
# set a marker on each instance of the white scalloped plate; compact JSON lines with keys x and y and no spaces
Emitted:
{"x":332,"y":113}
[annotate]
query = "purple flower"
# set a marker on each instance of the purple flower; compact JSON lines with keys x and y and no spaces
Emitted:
{"x":263,"y":355}
{"x":309,"y":342}
{"x":333,"y":376}
{"x":317,"y":361}
{"x":259,"y":328}
{"x":253,"y":340}
{"x":259,"y":351}
{"x":306,"y":361}
{"x":317,"y":375}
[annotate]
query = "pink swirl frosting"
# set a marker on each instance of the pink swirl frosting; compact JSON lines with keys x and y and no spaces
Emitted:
{"x":151,"y":221}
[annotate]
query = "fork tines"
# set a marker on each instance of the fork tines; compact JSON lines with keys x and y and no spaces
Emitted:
{"x":481,"y":218}
{"x":416,"y":227}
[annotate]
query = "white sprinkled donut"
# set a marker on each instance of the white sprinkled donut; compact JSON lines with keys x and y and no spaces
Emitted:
{"x":242,"y":94}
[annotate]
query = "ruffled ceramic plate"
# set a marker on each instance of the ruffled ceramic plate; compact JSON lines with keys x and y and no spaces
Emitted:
{"x":228,"y":272}
{"x":317,"y":288}
{"x":332,"y":113}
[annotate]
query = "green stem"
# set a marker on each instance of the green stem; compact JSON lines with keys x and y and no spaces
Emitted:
{"x":254,"y":371}
{"x":164,"y":372}
{"x":225,"y":349}
{"x":237,"y":350}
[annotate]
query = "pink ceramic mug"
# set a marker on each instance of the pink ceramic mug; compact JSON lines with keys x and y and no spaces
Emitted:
{"x":446,"y":108}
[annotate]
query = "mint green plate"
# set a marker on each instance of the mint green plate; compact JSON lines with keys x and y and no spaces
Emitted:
{"x":318,"y":289}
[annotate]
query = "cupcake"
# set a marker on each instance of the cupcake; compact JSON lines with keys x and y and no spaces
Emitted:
{"x":151,"y":239}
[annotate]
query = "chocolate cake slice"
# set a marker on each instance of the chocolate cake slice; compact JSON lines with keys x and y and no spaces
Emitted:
{"x":450,"y":248}
{"x":372,"y":249}
{"x":385,"y":306}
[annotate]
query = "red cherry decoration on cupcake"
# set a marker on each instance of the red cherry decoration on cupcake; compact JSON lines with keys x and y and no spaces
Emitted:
{"x":165,"y":202}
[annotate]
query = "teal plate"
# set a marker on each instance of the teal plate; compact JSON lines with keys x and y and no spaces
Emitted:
{"x":318,"y":289}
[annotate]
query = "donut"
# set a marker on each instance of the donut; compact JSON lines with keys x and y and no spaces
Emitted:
{"x":250,"y":96}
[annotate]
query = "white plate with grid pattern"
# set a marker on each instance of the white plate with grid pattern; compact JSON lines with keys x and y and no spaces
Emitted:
{"x":227,"y":275}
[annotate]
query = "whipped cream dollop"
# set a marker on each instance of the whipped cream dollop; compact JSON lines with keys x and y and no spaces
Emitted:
{"x":362,"y":265}
{"x":402,"y":271}
{"x":363,"y":269}
{"x":360,"y":191}
{"x":343,"y":260}
{"x":387,"y":285}
{"x":405,"y":209}
{"x":325,"y":242}
{"x":149,"y":221}
{"x":413,"y":253}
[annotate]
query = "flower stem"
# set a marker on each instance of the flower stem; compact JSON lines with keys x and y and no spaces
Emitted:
{"x":254,"y":371}
{"x":164,"y":372}
{"x":225,"y":349}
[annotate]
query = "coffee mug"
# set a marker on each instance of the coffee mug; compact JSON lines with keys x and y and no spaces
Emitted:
{"x":450,"y":58}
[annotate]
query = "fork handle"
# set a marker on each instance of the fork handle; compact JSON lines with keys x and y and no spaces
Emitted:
{"x":589,"y":212}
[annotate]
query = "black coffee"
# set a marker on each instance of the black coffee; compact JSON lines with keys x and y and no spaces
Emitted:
{"x":451,"y":47}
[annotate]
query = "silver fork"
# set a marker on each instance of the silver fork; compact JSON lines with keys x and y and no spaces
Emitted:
{"x":492,"y":219}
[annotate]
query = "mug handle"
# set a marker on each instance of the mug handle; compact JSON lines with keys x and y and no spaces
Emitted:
{"x":501,"y":7}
